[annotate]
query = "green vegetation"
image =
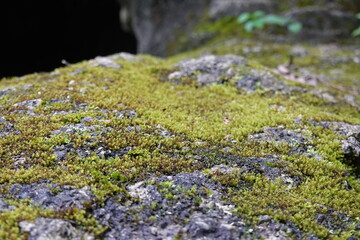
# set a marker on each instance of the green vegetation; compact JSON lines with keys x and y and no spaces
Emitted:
{"x":356,"y":32}
{"x":258,"y":20}
{"x":195,"y":117}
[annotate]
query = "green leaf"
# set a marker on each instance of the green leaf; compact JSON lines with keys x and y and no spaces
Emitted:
{"x":274,"y":19}
{"x":258,"y":14}
{"x":249,"y":26}
{"x":358,"y":15}
{"x":295,"y":27}
{"x":244,"y":17}
{"x":259,"y":23}
{"x":356,"y":32}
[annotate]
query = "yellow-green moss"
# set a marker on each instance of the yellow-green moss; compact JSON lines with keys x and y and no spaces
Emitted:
{"x":205,"y":117}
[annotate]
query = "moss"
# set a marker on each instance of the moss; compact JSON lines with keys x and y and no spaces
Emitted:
{"x":23,"y":211}
{"x":195,"y":118}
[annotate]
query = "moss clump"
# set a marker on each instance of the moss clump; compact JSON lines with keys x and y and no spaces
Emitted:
{"x":178,"y":128}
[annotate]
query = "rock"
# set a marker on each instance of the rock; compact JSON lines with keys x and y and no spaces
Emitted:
{"x":260,"y":79}
{"x":208,"y":70}
{"x":222,"y":69}
{"x":332,"y":220}
{"x":29,"y":104}
{"x":351,"y":144}
{"x":323,"y":22}
{"x":125,"y":56}
{"x":164,"y":152}
{"x":91,"y":145}
{"x":6,"y":91}
{"x":3,"y":205}
{"x":150,"y":23}
{"x":202,"y":226}
{"x":125,"y":113}
{"x":270,"y":229}
{"x":52,"y":229}
{"x":79,"y":128}
{"x":104,"y":62}
{"x":44,"y":196}
{"x":76,"y":107}
{"x":233,"y":8}
{"x":172,"y":212}
{"x":6,"y":128}
{"x":295,"y":141}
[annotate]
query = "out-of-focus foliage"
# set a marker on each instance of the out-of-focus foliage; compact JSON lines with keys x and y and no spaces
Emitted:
{"x":258,"y":20}
{"x":356,"y":32}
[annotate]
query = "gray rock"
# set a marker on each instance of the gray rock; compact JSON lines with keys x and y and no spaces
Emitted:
{"x":76,"y":107}
{"x":233,"y":8}
{"x":125,"y":56}
{"x":6,"y":128}
{"x":29,"y":104}
{"x":3,"y":205}
{"x":43,"y":195}
{"x":270,"y":229}
{"x":150,"y":22}
{"x":207,"y":219}
{"x":53,"y":229}
{"x":202,"y":225}
{"x":198,"y":216}
{"x":6,"y":91}
{"x":10,"y":90}
{"x":91,"y":146}
{"x":323,"y":21}
{"x":81,"y":128}
{"x":104,"y":62}
{"x":222,"y":69}
{"x":333,"y":220}
{"x":208,"y":70}
{"x":351,"y":144}
{"x":260,"y":79}
{"x":125,"y":113}
{"x":296,"y":141}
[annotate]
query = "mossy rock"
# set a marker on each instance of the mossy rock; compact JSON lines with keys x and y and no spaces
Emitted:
{"x":195,"y":146}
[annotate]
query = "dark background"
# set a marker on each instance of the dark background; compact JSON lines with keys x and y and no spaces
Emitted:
{"x":37,"y":34}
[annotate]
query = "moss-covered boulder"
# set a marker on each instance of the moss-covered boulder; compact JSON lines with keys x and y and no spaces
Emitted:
{"x":229,"y":141}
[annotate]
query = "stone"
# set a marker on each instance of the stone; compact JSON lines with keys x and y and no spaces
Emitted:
{"x":3,"y":205}
{"x":208,"y":70}
{"x":351,"y":144}
{"x":125,"y":113}
{"x":91,"y":145}
{"x":105,"y":62}
{"x":150,"y":23}
{"x":6,"y":91}
{"x":296,"y":141}
{"x":42,"y":195}
{"x":6,"y":128}
{"x":53,"y":229}
{"x":29,"y":104}
{"x":233,"y":8}
{"x":323,"y":22}
{"x":125,"y":56}
{"x":257,"y":79}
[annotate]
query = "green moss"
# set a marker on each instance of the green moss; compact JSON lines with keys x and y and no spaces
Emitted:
{"x":201,"y":121}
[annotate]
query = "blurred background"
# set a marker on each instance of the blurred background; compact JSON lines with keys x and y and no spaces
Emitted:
{"x":36,"y":36}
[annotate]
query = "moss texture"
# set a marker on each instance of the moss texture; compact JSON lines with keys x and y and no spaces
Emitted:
{"x":200,"y":119}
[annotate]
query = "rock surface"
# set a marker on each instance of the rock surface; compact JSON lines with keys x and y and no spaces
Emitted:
{"x":212,"y":144}
{"x":44,"y":228}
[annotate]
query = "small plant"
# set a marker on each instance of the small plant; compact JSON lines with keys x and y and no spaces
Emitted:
{"x":258,"y":20}
{"x":356,"y":32}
